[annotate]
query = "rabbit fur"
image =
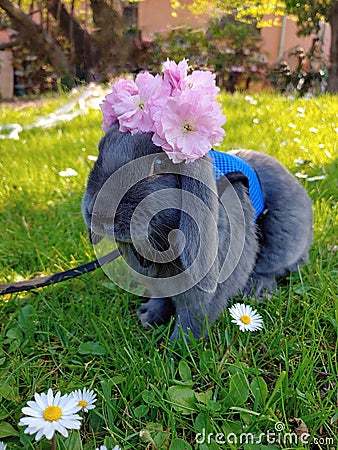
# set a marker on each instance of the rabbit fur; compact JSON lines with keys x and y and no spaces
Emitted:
{"x":253,"y":255}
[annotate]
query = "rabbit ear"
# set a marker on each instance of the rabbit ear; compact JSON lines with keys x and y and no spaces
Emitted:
{"x":198,"y":224}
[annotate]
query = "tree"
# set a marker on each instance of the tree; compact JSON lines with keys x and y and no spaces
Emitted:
{"x":37,"y":38}
{"x":84,"y":54}
{"x":309,"y":15}
{"x":79,"y":44}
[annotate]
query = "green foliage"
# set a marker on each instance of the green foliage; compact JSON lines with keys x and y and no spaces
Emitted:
{"x":310,"y":14}
{"x":26,"y":5}
{"x":308,"y":77}
{"x":229,"y":47}
{"x":179,"y":43}
{"x":243,"y":12}
{"x":152,"y":394}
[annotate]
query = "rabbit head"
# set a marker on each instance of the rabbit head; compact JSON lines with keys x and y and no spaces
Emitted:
{"x":166,"y":213}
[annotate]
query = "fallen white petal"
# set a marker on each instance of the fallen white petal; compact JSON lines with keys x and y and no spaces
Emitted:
{"x":69,"y":172}
{"x":299,"y":161}
{"x":318,"y":178}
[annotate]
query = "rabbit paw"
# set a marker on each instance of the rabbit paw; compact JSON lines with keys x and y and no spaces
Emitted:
{"x":156,"y":311}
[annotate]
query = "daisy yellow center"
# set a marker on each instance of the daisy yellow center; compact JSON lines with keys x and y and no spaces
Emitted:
{"x":83,"y":403}
{"x":52,"y":413}
{"x":246,"y":319}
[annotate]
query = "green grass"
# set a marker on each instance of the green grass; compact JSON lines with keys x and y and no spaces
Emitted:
{"x":82,"y":334}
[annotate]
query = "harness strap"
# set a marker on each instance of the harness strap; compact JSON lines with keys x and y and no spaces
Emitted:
{"x":225,"y":163}
{"x":28,"y":285}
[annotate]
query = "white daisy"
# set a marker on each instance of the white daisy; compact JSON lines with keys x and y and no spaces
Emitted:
{"x":245,"y":317}
{"x":85,"y":399}
{"x":2,"y":446}
{"x":48,"y":414}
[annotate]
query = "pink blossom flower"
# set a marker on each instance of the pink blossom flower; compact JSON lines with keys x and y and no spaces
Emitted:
{"x":179,"y":109}
{"x":133,"y":109}
{"x":217,"y":133}
{"x":175,"y":74}
{"x":203,"y":80}
{"x":120,"y":89}
{"x":188,"y":126}
{"x":107,"y":112}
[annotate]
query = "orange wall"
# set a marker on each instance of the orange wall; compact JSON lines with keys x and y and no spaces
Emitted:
{"x":6,"y":74}
{"x":272,"y":36}
{"x":6,"y":68}
{"x":4,"y":36}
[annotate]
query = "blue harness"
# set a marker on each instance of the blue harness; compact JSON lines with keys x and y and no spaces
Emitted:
{"x":225,"y":163}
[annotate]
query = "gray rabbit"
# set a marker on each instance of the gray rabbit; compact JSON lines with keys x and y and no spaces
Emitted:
{"x":192,"y":237}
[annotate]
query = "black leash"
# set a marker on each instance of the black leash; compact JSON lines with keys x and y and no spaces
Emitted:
{"x":28,"y":285}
